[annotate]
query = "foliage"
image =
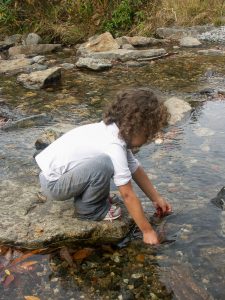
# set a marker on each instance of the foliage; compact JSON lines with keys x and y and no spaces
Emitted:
{"x":70,"y":21}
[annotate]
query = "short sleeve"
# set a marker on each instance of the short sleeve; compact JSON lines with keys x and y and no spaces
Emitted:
{"x":118,"y":155}
{"x":133,"y":163}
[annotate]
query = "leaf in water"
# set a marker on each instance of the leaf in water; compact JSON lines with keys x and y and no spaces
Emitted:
{"x":83,"y":253}
{"x":65,"y":255}
{"x":8,"y":255}
{"x":31,"y":298}
{"x":3,"y":250}
{"x":24,"y":267}
{"x":9,"y":279}
{"x":25,"y":256}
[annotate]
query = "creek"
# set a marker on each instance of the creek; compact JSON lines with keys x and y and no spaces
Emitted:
{"x":187,"y":168}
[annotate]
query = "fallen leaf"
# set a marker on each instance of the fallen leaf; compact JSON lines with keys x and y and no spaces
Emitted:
{"x":25,"y":256}
{"x":140,"y":257}
{"x":65,"y":255}
{"x":9,"y":279}
{"x":31,"y":298}
{"x":83,"y":253}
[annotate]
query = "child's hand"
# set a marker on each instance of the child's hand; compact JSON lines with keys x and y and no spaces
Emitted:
{"x":162,"y":207}
{"x":150,"y":237}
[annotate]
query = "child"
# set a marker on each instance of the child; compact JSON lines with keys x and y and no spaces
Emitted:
{"x":81,"y":163}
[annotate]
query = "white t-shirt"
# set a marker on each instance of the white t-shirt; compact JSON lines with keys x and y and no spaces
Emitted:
{"x":85,"y":142}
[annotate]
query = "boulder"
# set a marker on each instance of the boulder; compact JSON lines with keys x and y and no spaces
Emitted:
{"x":176,"y":33}
{"x":40,"y":79}
{"x":34,"y":49}
{"x":189,"y":41}
{"x":93,"y":63}
{"x":15,"y":39}
{"x":126,"y":55}
{"x":101,"y":43}
{"x":29,"y":221}
{"x":177,"y":109}
{"x":33,"y":39}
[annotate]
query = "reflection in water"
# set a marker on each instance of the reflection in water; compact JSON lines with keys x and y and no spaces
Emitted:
{"x":187,"y":168}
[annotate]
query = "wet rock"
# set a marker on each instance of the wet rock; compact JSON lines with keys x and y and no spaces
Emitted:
{"x":93,"y":63}
{"x":5,"y":46}
{"x":219,"y":200}
{"x":176,"y":33}
{"x":189,"y":42}
{"x":100,"y":43}
{"x":14,"y":65}
{"x":216,"y":52}
{"x":25,"y":122}
{"x":34,"y":225}
{"x":203,"y":131}
{"x":126,"y":55}
{"x":177,"y":109}
{"x":33,"y":39}
{"x":40,"y":79}
{"x":67,"y":66}
{"x":128,"y":47}
{"x":34,"y":49}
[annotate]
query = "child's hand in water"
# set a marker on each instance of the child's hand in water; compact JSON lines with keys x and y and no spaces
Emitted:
{"x":162,"y":207}
{"x":151,"y":237}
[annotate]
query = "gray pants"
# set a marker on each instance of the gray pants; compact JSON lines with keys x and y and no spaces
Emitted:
{"x":88,"y":183}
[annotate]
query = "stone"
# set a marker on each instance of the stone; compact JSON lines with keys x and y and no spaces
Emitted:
{"x":203,"y":131}
{"x":34,"y":49}
{"x":126,"y":55}
{"x":189,"y":41}
{"x":14,"y":65}
{"x":142,"y":41}
{"x":216,"y":52}
{"x":5,"y":46}
{"x":128,"y":47}
{"x":176,"y":33}
{"x":67,"y":66}
{"x":40,"y":79}
{"x":33,"y":39}
{"x":101,"y":43}
{"x":14,"y":39}
{"x":21,"y":213}
{"x":93,"y":63}
{"x":177,"y":109}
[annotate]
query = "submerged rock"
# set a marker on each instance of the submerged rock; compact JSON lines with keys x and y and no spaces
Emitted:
{"x":93,"y":63}
{"x":177,"y":109}
{"x":40,"y":79}
{"x":25,"y":122}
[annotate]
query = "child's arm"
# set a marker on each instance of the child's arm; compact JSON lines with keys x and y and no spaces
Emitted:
{"x":135,"y":209}
{"x":142,"y":180}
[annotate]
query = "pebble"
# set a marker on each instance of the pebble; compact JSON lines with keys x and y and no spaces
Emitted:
{"x":130,"y":286}
{"x":136,"y":276}
{"x":158,"y":141}
{"x":125,"y":280}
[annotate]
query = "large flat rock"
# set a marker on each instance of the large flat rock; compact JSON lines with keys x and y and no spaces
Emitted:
{"x":26,"y":222}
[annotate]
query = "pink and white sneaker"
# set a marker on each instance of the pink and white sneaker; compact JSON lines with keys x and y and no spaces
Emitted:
{"x":113,"y":213}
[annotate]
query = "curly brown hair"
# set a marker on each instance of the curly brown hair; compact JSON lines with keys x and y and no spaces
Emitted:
{"x":136,"y":111}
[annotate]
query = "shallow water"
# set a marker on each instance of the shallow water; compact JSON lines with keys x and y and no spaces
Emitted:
{"x":187,"y":168}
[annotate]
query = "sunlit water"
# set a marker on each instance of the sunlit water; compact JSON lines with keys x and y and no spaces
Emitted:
{"x":187,"y":168}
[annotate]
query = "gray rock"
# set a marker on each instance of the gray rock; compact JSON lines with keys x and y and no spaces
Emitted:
{"x":14,"y":66}
{"x":33,"y":39}
{"x":128,"y":47}
{"x":67,"y":66}
{"x":29,"y":223}
{"x":39,"y":59}
{"x":34,"y":49}
{"x":126,"y":55}
{"x":176,"y":33}
{"x":15,"y":39}
{"x":93,"y":63}
{"x":40,"y":79}
{"x":141,"y":41}
{"x":216,"y":52}
{"x":177,"y":109}
{"x":5,"y":46}
{"x":215,"y":35}
{"x":189,"y":41}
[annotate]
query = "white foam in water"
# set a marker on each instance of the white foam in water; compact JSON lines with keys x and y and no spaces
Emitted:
{"x":215,"y":35}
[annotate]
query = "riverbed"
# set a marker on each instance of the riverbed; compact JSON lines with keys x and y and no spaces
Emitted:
{"x":187,"y":168}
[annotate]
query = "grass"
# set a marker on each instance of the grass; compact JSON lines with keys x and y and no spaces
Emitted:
{"x":70,"y":22}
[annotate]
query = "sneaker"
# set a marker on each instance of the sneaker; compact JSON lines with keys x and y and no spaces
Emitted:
{"x":113,"y":213}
